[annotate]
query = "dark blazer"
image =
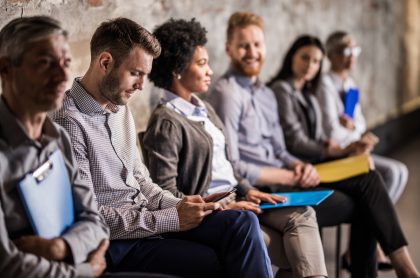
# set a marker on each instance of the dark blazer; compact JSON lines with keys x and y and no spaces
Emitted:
{"x":178,"y":152}
{"x":291,"y":105}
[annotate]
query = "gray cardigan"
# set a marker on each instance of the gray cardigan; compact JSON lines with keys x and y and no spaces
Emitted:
{"x":292,"y":117}
{"x":179,"y":152}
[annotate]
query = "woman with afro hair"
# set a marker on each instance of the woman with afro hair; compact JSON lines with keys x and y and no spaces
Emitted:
{"x":185,"y":149}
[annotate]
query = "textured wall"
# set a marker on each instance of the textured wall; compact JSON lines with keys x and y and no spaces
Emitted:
{"x":378,"y":26}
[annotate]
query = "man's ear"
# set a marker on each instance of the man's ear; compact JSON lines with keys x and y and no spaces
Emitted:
{"x":5,"y":65}
{"x":227,"y":48}
{"x":105,"y":61}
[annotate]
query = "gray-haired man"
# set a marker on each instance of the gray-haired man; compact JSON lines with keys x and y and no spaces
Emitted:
{"x":34,"y":64}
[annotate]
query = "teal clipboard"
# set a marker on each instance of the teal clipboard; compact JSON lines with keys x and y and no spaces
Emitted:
{"x":47,"y":197}
{"x":299,"y":198}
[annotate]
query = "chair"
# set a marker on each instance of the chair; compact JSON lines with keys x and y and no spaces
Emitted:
{"x":337,"y":249}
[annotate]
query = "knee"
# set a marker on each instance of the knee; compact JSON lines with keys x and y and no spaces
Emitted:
{"x":249,"y":218}
{"x":303,"y":216}
{"x":373,"y":181}
{"x":403,"y":170}
{"x":242,"y":221}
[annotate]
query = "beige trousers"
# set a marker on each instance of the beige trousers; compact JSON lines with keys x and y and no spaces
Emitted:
{"x":293,"y":241}
{"x":294,"y":244}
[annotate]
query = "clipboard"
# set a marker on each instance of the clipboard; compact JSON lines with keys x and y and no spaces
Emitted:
{"x":344,"y":168}
{"x":351,"y":98}
{"x":47,"y":197}
{"x":299,"y":198}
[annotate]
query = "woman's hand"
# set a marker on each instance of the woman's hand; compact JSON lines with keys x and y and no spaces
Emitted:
{"x":244,"y":205}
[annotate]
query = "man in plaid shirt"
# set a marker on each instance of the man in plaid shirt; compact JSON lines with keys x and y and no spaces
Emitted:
{"x":151,"y":230}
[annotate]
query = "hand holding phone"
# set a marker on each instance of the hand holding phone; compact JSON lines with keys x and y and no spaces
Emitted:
{"x":218,"y":196}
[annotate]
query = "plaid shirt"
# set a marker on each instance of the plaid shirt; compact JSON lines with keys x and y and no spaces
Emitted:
{"x":104,"y":143}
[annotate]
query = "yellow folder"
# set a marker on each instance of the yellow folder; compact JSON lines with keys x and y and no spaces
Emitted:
{"x":341,"y":169}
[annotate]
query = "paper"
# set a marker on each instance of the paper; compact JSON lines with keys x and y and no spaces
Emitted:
{"x":299,"y":198}
{"x":341,"y":169}
{"x":47,"y":197}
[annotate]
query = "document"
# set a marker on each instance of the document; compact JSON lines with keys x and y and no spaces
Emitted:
{"x":47,"y":197}
{"x":351,"y":98}
{"x":341,"y":169}
{"x":299,"y":198}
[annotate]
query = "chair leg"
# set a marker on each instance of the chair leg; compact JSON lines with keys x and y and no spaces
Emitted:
{"x":338,"y":252}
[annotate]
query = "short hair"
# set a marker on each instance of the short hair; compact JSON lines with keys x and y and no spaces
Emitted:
{"x":18,"y":33}
{"x":119,"y":36}
{"x":179,"y":39}
{"x":242,"y":20}
{"x":334,"y":41}
{"x":286,"y":70}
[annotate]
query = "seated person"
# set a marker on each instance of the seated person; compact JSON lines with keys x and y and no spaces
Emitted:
{"x":151,"y":230}
{"x":34,"y":69}
{"x":298,"y":109}
{"x":342,"y":51}
{"x":185,"y":147}
{"x":295,"y":87}
{"x":248,"y":109}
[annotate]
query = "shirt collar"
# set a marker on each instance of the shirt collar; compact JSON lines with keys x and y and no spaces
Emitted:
{"x":243,"y":80}
{"x":16,"y":135}
{"x":86,"y":103}
{"x":192,"y":108}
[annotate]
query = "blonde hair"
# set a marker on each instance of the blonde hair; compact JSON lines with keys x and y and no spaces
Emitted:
{"x":242,"y":20}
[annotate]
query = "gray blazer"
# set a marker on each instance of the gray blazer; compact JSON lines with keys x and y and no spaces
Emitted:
{"x":293,"y":119}
{"x":179,"y":152}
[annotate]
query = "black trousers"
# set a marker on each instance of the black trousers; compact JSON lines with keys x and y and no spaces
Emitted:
{"x":363,"y":202}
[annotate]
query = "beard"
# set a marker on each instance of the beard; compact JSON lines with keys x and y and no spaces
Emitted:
{"x":247,"y":71}
{"x":109,"y":89}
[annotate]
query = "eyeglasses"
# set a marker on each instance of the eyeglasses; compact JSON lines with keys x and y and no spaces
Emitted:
{"x":351,"y":51}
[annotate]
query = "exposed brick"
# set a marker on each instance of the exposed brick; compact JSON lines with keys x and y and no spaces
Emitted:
{"x":95,"y":3}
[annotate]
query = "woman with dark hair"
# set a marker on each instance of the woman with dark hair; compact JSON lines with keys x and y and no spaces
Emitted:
{"x":301,"y":118}
{"x":294,"y":87}
{"x":186,"y":153}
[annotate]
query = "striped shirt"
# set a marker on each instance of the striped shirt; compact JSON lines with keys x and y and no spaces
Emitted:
{"x":104,"y":143}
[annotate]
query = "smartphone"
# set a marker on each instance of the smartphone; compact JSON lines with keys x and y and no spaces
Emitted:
{"x":219,"y":196}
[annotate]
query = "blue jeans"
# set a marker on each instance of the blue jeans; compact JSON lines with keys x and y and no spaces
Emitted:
{"x":226,"y":244}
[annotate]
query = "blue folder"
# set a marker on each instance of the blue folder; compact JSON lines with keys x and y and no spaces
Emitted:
{"x":351,"y":97}
{"x":47,"y":197}
{"x":299,"y":198}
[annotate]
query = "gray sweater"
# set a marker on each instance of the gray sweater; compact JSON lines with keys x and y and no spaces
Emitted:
{"x":179,"y":152}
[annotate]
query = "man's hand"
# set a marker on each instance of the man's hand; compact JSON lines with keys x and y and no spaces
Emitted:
{"x":309,"y":175}
{"x":334,"y":150}
{"x":192,"y":210}
{"x":96,"y":258}
{"x":370,"y":138}
{"x":361,"y":147}
{"x":347,"y":122}
{"x":257,"y":197}
{"x":244,"y":205}
{"x":51,"y":249}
